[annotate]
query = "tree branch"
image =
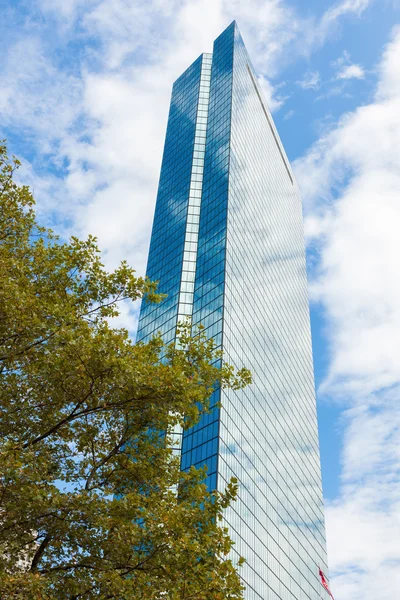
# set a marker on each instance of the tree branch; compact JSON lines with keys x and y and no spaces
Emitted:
{"x":39,"y":552}
{"x":104,"y":460}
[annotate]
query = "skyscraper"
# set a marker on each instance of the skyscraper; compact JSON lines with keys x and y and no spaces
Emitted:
{"x":227,"y":247}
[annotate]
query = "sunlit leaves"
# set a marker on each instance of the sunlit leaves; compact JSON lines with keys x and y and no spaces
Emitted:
{"x":88,"y":503}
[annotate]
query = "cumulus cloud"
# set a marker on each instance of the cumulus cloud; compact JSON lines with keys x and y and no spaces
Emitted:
{"x":364,"y":523}
{"x":351,"y":183}
{"x":346,"y":69}
{"x":97,"y":129}
{"x":95,"y":118}
{"x":351,"y":72}
{"x":106,"y":126}
{"x":310,"y":81}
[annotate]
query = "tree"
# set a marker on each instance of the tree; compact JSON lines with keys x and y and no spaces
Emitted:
{"x":88,"y":501}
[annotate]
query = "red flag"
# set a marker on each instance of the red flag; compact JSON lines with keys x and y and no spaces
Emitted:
{"x":325,"y":583}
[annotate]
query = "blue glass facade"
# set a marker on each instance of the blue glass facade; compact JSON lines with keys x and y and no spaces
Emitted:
{"x":228,"y":249}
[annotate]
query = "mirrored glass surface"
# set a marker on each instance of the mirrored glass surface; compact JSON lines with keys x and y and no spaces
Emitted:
{"x":228,"y":249}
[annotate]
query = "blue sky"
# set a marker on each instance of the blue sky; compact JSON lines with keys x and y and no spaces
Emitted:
{"x":85,"y":88}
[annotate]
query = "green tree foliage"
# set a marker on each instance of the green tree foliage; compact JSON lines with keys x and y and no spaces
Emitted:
{"x":88,"y":502}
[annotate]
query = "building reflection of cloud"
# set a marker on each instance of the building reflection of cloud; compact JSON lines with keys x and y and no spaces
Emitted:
{"x":250,"y":293}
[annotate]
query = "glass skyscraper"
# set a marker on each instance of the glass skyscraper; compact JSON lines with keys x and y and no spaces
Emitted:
{"x":227,"y":248}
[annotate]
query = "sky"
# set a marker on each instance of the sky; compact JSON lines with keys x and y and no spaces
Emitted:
{"x":84,"y":97}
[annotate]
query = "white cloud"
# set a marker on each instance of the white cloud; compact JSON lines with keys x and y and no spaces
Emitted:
{"x":364,"y":523}
{"x":128,"y":316}
{"x":331,"y":17}
{"x":316,"y":32}
{"x":346,"y":69}
{"x":105,"y":120}
{"x":34,"y":93}
{"x":289,"y":115}
{"x":345,"y":7}
{"x":274,"y":101}
{"x":65,"y":11}
{"x":102,"y":121}
{"x":104,"y":117}
{"x":351,"y":183}
{"x":342,"y":60}
{"x":310,"y":81}
{"x":106,"y":126}
{"x":351,"y":72}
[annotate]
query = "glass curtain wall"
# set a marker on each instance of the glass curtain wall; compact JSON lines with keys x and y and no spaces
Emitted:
{"x":228,"y":248}
{"x":268,"y":432}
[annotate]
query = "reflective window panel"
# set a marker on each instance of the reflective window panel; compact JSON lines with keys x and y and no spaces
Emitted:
{"x":228,"y":248}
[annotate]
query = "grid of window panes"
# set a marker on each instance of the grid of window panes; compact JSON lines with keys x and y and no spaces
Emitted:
{"x":185,"y":304}
{"x":200,"y":443}
{"x":167,"y":247}
{"x":268,"y":436}
{"x":227,"y":247}
{"x":196,"y":185}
